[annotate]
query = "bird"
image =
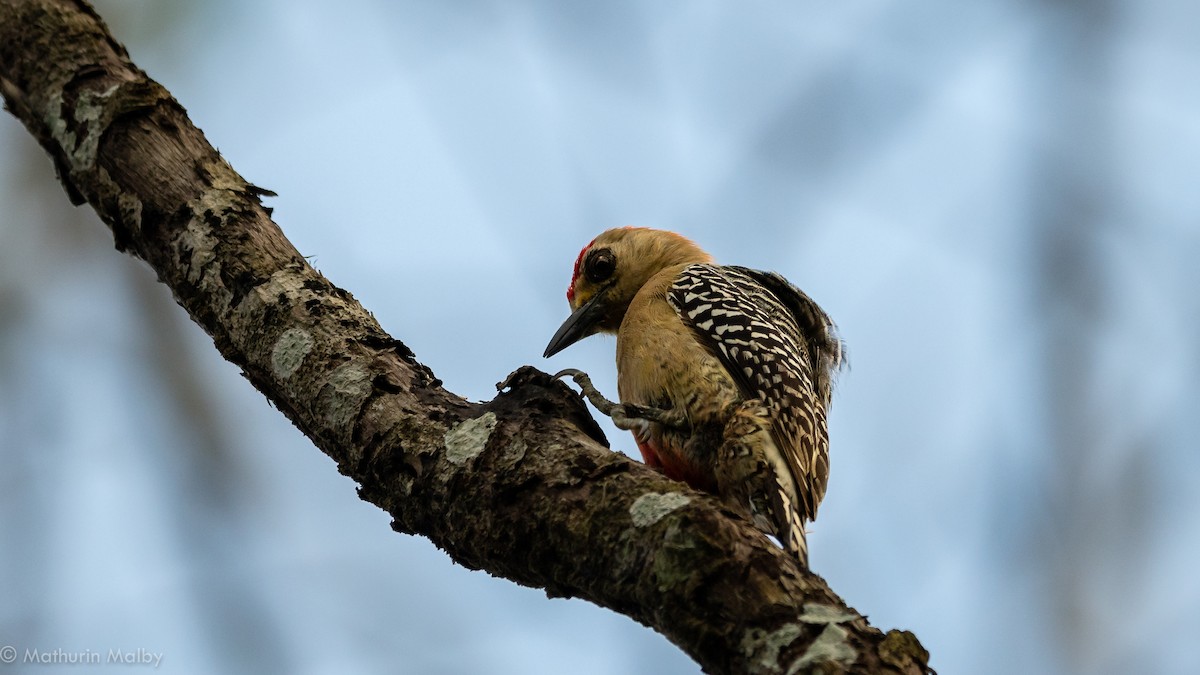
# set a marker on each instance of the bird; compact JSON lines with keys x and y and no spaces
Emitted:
{"x":724,"y":373}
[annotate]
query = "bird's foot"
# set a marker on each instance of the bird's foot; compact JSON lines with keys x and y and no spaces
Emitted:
{"x":625,"y":416}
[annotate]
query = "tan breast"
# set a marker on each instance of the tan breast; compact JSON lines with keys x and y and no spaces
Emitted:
{"x":660,"y":363}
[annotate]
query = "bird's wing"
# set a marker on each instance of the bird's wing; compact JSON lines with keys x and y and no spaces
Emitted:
{"x":760,"y":339}
{"x":825,"y":346}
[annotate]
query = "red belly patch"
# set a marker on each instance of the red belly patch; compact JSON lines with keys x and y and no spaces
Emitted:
{"x":675,"y":465}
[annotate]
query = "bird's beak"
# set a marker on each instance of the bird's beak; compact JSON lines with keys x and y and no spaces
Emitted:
{"x":582,"y":323}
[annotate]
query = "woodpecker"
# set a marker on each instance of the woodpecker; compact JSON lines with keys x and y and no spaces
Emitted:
{"x":724,"y":373}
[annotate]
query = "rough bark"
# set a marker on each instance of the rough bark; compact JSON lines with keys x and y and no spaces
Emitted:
{"x":523,"y":486}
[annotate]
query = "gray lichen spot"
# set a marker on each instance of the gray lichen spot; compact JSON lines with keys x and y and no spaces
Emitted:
{"x":55,"y":123}
{"x":465,"y":441}
{"x":814,"y":613}
{"x":203,"y":269}
{"x":343,"y":395}
{"x":762,"y":648}
{"x":830,"y":645}
{"x":289,"y":352}
{"x":89,"y":112}
{"x":653,"y":507}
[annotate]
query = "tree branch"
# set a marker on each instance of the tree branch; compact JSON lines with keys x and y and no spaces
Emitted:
{"x":523,"y":486}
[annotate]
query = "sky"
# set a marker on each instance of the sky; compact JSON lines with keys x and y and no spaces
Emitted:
{"x":994,"y":201}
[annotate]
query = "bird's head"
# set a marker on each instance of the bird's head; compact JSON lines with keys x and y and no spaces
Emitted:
{"x":610,"y":271}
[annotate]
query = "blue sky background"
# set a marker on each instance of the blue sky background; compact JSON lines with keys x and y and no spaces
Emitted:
{"x":997,"y":202}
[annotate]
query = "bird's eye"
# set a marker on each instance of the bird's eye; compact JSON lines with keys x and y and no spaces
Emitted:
{"x":600,"y":266}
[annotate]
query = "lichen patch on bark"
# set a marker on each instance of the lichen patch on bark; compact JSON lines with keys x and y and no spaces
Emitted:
{"x":465,"y":441}
{"x":830,"y":645}
{"x":814,"y":613}
{"x":653,"y":507}
{"x":289,"y":352}
{"x":762,"y":648}
{"x":80,"y":148}
{"x":343,"y":395}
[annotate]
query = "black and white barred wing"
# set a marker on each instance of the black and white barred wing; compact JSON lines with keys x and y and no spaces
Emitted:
{"x":826,"y":351}
{"x":759,"y":339}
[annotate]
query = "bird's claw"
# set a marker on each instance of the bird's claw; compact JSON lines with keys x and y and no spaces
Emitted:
{"x":623,"y":415}
{"x":589,"y":390}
